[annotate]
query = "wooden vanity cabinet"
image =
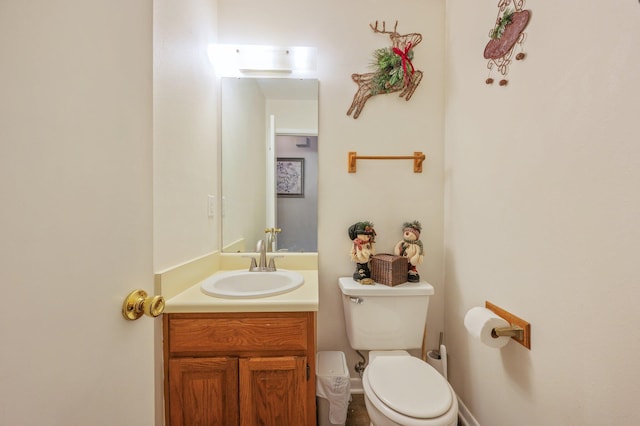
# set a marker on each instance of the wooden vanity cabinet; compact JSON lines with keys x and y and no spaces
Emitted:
{"x":240,"y":369}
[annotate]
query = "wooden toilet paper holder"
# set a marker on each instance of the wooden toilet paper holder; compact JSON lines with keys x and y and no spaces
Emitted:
{"x":519,"y":330}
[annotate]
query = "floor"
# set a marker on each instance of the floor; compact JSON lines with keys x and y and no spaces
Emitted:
{"x":357,"y":413}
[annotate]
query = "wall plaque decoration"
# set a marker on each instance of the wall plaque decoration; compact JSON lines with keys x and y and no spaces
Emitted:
{"x":394,"y":70}
{"x":506,"y":36}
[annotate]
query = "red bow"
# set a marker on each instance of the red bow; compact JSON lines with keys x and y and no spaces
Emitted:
{"x":405,"y":59}
{"x":359,"y":243}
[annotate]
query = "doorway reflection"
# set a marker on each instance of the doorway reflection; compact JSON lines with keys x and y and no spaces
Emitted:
{"x":297,"y":215}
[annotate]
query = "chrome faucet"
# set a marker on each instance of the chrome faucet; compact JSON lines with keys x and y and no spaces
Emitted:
{"x":261,"y":265}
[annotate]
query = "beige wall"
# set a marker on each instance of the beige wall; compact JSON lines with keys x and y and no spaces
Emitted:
{"x":387,"y":193}
{"x":542,"y":213}
{"x":185,"y":119}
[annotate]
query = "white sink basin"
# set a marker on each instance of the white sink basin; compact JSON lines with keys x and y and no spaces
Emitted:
{"x":243,"y":283}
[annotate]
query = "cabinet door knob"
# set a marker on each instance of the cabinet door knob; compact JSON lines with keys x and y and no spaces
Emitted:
{"x":137,"y":303}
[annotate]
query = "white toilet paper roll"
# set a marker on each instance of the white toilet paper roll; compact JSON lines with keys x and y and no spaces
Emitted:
{"x":443,"y":355}
{"x":480,"y":322}
{"x":435,"y":360}
{"x":438,"y":360}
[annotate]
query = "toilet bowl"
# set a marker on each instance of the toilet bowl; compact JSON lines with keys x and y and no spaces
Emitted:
{"x":401,"y":390}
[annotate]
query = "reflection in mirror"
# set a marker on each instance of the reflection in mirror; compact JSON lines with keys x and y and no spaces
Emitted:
{"x":269,"y":163}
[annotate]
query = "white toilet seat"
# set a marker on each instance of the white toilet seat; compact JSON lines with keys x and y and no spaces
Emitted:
{"x":410,"y":386}
{"x":409,"y":392}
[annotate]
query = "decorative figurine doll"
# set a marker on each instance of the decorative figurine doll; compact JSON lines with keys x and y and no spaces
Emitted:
{"x":411,"y":248}
{"x":363,"y":236}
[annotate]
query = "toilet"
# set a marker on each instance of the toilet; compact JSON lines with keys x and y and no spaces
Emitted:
{"x":399,"y":389}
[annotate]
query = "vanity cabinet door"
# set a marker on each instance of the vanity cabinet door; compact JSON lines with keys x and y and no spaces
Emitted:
{"x":204,"y":391}
{"x":273,"y":391}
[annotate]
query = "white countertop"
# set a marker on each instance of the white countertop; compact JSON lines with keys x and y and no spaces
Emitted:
{"x":304,"y":298}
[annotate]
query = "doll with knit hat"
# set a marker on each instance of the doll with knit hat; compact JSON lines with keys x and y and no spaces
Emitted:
{"x":411,"y":248}
{"x":362,"y":237}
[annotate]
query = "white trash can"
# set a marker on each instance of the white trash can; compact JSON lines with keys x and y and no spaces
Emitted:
{"x":333,"y":389}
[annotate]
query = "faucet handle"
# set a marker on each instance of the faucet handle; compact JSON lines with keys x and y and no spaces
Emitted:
{"x":272,"y":263}
{"x":253,"y":266}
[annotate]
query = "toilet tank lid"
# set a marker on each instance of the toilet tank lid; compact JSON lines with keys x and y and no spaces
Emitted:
{"x":350,"y":287}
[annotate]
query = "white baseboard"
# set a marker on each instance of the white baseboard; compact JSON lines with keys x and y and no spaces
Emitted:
{"x":356,"y":385}
{"x":465,"y":415}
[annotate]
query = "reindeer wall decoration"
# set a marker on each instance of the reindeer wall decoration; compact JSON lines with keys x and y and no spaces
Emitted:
{"x":395,"y":71}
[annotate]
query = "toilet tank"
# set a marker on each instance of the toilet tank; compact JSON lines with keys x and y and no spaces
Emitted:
{"x":380,"y":317}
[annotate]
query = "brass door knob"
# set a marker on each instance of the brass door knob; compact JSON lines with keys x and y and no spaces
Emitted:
{"x":137,"y":303}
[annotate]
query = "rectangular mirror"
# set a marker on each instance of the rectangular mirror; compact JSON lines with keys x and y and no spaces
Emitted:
{"x":269,"y":163}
